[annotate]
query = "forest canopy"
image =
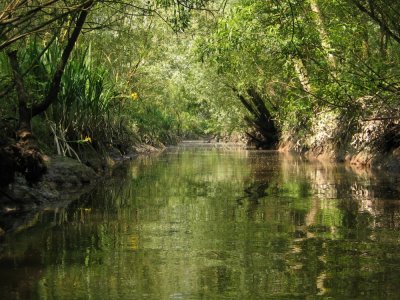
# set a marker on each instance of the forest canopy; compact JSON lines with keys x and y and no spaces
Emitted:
{"x":122,"y":72}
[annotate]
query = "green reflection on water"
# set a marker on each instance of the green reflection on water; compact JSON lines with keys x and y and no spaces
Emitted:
{"x":215,"y":224}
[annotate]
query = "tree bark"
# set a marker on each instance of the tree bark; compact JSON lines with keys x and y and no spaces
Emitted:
{"x":302,"y":74}
{"x":26,"y":154}
{"x":324,"y":37}
{"x":56,"y":81}
{"x":25,"y":115}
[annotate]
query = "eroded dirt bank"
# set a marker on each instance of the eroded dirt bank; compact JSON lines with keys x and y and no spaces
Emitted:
{"x":66,"y":180}
{"x":370,"y":142}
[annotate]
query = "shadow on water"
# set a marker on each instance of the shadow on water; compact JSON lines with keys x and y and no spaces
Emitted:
{"x":206,"y":223}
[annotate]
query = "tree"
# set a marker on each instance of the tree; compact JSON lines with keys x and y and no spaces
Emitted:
{"x":310,"y":58}
{"x":27,"y":112}
{"x":385,"y":13}
{"x":21,"y":20}
{"x":24,"y":21}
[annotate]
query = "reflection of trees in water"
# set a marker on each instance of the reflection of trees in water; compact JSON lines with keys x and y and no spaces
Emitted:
{"x":357,"y":191}
{"x":240,"y":225}
{"x":282,"y":227}
{"x":351,"y":206}
{"x":327,"y":204}
{"x":13,"y":283}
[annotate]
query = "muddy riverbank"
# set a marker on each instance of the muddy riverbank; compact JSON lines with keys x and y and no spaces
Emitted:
{"x":66,"y":180}
{"x":372,"y":142}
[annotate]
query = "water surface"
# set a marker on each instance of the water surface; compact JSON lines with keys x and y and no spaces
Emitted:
{"x":215,"y":223}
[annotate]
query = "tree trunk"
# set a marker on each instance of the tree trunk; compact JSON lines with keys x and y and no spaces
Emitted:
{"x":378,"y":16}
{"x":24,"y":112}
{"x":302,"y":75}
{"x":56,"y":81}
{"x":383,"y":44}
{"x":28,"y":157}
{"x":323,"y":35}
{"x":264,"y":133}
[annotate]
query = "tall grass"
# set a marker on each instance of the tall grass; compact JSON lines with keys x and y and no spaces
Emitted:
{"x":91,"y":109}
{"x":84,"y":102}
{"x":88,"y":107}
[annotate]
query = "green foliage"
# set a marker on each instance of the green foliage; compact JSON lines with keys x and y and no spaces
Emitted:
{"x":302,"y":57}
{"x":84,"y":105}
{"x":88,"y":108}
{"x":307,"y":57}
{"x":153,"y":125}
{"x":133,"y":54}
{"x":8,"y":105}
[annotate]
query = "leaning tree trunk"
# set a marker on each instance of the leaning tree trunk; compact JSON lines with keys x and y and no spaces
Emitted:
{"x":264,"y":132}
{"x":302,"y":75}
{"x":323,"y":34}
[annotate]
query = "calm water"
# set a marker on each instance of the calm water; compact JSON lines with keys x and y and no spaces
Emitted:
{"x":208,"y":223}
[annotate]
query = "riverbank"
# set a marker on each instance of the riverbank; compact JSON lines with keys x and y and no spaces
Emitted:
{"x":369,"y":142}
{"x":65,"y":181}
{"x":368,"y":145}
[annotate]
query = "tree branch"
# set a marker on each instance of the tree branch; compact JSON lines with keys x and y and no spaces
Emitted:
{"x":380,"y":22}
{"x":56,"y":82}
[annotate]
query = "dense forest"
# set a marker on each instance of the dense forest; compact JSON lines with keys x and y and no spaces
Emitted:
{"x":244,"y":105}
{"x":317,"y":76}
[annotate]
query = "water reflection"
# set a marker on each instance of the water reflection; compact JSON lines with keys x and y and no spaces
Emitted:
{"x":215,"y":223}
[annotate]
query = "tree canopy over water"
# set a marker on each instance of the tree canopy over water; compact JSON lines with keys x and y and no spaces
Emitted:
{"x":159,"y":71}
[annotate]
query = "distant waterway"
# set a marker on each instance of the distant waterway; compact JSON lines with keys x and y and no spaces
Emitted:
{"x":209,"y":221}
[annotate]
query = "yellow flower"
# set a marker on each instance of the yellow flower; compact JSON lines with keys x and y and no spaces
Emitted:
{"x":134,"y":96}
{"x":87,"y":140}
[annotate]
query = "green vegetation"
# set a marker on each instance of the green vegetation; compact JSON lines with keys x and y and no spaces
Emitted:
{"x":309,"y":59}
{"x":107,"y":74}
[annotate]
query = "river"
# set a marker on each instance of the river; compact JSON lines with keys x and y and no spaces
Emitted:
{"x":215,"y":223}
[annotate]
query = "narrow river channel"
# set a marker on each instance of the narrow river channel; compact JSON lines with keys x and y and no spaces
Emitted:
{"x":215,"y":223}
